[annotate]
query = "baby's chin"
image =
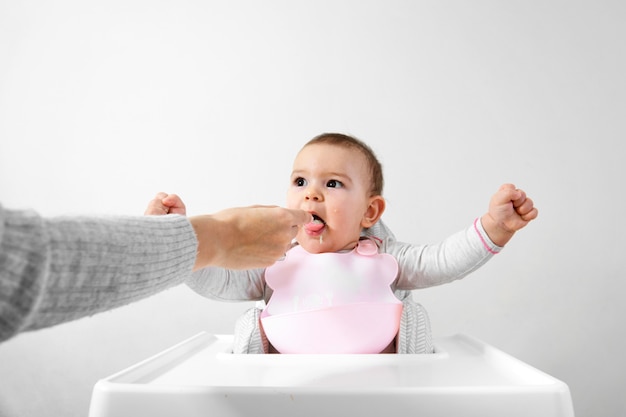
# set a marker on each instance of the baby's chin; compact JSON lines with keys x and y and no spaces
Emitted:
{"x":316,"y":245}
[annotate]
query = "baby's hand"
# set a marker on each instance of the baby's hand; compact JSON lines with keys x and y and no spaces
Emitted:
{"x":509,"y":211}
{"x":164,"y":203}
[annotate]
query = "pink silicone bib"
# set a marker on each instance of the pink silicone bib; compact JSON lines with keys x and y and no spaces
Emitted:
{"x":332,"y":302}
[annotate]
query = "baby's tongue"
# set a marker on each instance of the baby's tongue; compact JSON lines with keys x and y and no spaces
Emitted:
{"x":314,"y":226}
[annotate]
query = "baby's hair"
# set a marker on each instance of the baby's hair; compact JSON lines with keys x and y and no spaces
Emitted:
{"x":339,"y":139}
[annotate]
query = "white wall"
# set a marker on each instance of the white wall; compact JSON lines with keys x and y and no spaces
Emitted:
{"x":102,"y":104}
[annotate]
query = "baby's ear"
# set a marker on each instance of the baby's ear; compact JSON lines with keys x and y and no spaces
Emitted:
{"x":374,"y":211}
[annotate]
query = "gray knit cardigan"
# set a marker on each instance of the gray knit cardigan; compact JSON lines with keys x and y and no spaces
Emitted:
{"x":53,"y":270}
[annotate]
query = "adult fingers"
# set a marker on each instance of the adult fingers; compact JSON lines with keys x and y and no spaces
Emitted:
{"x":300,"y":217}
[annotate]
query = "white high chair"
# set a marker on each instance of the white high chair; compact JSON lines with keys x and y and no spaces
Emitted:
{"x":202,"y":377}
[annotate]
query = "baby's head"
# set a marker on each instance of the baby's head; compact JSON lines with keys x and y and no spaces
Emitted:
{"x":339,"y":180}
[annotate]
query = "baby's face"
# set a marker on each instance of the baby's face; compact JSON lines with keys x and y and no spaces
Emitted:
{"x":332,"y":183}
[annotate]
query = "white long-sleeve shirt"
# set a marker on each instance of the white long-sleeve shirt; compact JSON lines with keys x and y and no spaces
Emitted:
{"x":419,"y":266}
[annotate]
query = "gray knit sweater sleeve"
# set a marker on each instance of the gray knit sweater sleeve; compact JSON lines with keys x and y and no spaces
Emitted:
{"x":60,"y":269}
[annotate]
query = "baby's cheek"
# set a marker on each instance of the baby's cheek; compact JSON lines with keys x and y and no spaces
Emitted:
{"x":292,"y":202}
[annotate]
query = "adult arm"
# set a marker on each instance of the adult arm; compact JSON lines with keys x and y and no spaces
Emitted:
{"x":60,"y":269}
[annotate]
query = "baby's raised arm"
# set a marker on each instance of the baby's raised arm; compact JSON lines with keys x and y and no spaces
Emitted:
{"x":509,"y":211}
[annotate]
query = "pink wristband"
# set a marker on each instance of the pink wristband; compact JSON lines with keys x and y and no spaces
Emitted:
{"x":482,"y":239}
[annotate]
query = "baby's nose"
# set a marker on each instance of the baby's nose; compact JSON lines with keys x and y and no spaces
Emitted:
{"x":312,"y":194}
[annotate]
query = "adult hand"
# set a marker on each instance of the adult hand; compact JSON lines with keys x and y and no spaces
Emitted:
{"x":246,"y":237}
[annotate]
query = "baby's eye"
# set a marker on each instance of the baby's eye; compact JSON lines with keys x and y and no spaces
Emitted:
{"x":299,"y":182}
{"x":334,"y":184}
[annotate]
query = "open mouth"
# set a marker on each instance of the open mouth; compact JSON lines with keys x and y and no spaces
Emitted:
{"x":316,"y":226}
{"x":317,"y":219}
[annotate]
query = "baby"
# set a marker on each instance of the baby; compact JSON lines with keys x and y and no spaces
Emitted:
{"x":338,"y":179}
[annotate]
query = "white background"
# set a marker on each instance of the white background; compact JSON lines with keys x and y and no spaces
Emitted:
{"x":102,"y":104}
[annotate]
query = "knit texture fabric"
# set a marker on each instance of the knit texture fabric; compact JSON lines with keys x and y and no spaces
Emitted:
{"x":60,"y":269}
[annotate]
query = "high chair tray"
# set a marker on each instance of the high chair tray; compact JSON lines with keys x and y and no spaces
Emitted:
{"x":201,"y":377}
